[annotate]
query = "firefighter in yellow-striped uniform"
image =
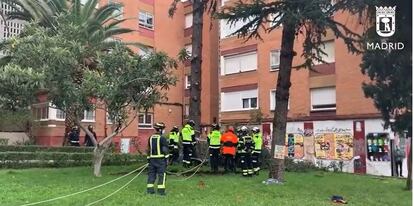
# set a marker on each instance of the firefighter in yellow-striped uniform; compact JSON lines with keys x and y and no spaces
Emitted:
{"x":214,"y":147}
{"x":258,"y":141}
{"x":157,"y":159}
{"x":174,"y":139}
{"x":189,"y":140}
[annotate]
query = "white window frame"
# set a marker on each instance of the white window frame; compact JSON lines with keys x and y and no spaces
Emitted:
{"x":188,"y":20}
{"x":242,"y":96}
{"x":187,"y":81}
{"x":189,"y":49}
{"x":274,"y":67}
{"x":108,"y":120}
{"x":223,"y":63}
{"x":89,"y":120}
{"x":147,"y":16}
{"x":250,"y":103}
{"x":186,"y":110}
{"x":321,"y":109}
{"x":56,"y":114}
{"x":144,"y":124}
{"x":272,"y":100}
{"x":323,"y":56}
{"x":272,"y":23}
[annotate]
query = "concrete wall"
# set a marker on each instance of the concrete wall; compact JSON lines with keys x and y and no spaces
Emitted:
{"x":13,"y":138}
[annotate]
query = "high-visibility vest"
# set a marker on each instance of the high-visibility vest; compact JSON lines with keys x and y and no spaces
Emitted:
{"x":155,"y":147}
{"x":174,"y":136}
{"x":258,"y":141}
{"x":214,"y":138}
{"x":187,"y":132}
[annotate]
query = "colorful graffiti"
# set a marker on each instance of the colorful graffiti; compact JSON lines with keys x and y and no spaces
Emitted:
{"x":378,"y":147}
{"x":294,"y":145}
{"x":334,"y":146}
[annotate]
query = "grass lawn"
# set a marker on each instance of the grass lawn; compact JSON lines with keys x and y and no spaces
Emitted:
{"x":314,"y":188}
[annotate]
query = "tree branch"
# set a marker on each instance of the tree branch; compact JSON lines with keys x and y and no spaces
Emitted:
{"x":103,"y":142}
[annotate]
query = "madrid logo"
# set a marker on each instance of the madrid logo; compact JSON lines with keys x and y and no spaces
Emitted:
{"x":385,"y":21}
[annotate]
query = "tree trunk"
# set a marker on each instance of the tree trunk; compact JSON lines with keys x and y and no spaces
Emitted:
{"x":196,"y":59}
{"x":277,"y":164}
{"x":409,"y":184}
{"x":98,"y":155}
{"x":70,"y":116}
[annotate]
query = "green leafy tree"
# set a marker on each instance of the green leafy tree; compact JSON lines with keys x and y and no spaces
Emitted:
{"x":199,"y":8}
{"x":390,"y":72}
{"x":122,"y":83}
{"x":96,"y":29}
{"x":308,"y":18}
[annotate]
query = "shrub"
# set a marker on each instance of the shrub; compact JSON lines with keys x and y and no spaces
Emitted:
{"x":37,"y":148}
{"x":293,"y":165}
{"x":61,"y":159}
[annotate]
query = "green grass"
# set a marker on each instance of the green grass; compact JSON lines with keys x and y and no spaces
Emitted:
{"x":314,"y":188}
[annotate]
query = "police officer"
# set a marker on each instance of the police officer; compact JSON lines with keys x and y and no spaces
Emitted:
{"x":258,"y":141}
{"x":214,"y":147}
{"x":157,"y":159}
{"x":188,"y":135}
{"x":245,"y":148}
{"x":74,"y":137}
{"x":174,"y":138}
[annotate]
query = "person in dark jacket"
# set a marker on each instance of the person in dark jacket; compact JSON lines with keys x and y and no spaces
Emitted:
{"x":157,"y":160}
{"x":74,"y":137}
{"x":88,"y":140}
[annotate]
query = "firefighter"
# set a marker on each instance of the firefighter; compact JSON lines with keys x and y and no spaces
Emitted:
{"x":229,"y":143}
{"x":188,"y":135}
{"x":237,"y":157}
{"x":157,"y":159}
{"x":214,"y":147}
{"x":74,"y":136}
{"x":174,"y":138}
{"x":245,"y":148}
{"x":258,"y":141}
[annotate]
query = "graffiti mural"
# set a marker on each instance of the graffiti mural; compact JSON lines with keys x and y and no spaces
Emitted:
{"x":294,"y":145}
{"x":334,"y":144}
{"x":378,"y":147}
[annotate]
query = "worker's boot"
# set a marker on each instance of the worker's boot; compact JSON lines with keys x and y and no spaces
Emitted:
{"x":161,"y":192}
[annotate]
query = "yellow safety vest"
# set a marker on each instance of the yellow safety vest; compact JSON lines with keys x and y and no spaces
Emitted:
{"x":214,"y":138}
{"x":258,"y":141}
{"x":174,"y":136}
{"x":155,"y":147}
{"x":187,"y":133}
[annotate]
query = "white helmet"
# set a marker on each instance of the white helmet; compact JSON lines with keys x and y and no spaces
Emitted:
{"x":256,"y":129}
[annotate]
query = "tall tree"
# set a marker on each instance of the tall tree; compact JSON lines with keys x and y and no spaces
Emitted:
{"x":390,"y":72}
{"x":122,"y":83}
{"x":309,"y":18}
{"x":199,"y":8}
{"x":98,"y":27}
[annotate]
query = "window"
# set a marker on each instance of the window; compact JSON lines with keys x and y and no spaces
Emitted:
{"x":108,"y":119}
{"x":239,"y":63}
{"x":145,"y":120}
{"x":89,"y":116}
{"x":146,"y":20}
{"x":227,"y":29}
{"x":239,"y":100}
{"x":323,"y":98}
{"x":119,"y":12}
{"x":189,"y":49}
{"x":60,"y":114}
{"x":188,"y":20}
{"x":223,"y":2}
{"x":273,"y":100}
{"x":187,"y":110}
{"x":41,"y":111}
{"x":145,"y":50}
{"x":273,"y":18}
{"x":187,"y":81}
{"x":274,"y":59}
{"x":249,"y":103}
{"x":329,"y":48}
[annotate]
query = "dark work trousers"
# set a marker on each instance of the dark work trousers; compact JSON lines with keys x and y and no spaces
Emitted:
{"x":229,"y":163}
{"x":174,"y":154}
{"x":156,"y":167}
{"x":187,"y":154}
{"x":256,"y":161}
{"x":398,"y":164}
{"x":214,"y":159}
{"x":246,"y":164}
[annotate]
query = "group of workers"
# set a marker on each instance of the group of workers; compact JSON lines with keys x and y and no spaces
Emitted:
{"x":240,"y":148}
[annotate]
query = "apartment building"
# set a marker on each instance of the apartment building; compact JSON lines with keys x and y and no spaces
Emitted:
{"x":156,"y":31}
{"x":329,"y":118}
